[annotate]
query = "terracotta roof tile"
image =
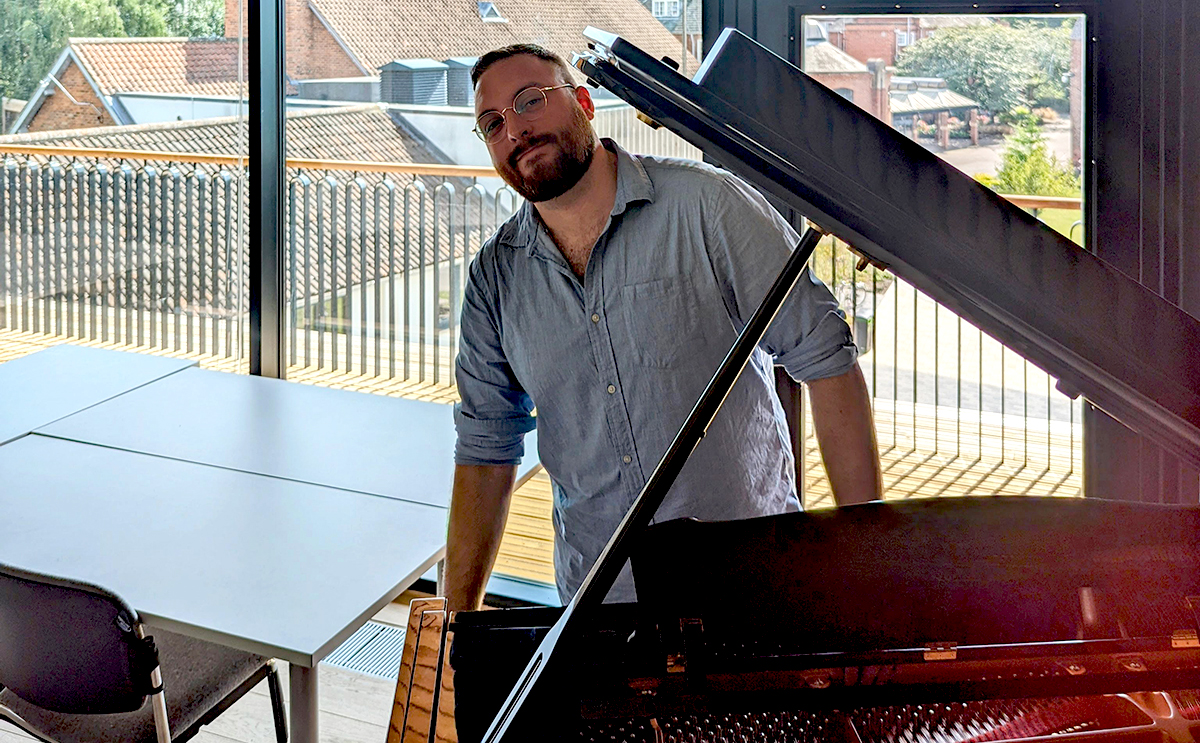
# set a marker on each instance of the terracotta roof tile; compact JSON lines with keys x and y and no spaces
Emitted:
{"x":360,"y":133}
{"x":378,"y":31}
{"x":161,"y":65}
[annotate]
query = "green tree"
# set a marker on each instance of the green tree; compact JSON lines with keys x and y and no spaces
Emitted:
{"x":197,"y":18}
{"x":1000,"y":66}
{"x":23,"y":48}
{"x":1029,"y":168}
{"x":143,"y":17}
{"x":34,"y":32}
{"x":62,"y":19}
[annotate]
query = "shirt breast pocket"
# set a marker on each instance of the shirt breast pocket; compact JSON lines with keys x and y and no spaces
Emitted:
{"x":662,"y":317}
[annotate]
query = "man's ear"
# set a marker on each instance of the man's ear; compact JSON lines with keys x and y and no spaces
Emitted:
{"x":584,"y":96}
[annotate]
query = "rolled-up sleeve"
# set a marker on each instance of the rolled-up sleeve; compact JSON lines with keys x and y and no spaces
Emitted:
{"x":748,"y":242}
{"x":495,"y":412}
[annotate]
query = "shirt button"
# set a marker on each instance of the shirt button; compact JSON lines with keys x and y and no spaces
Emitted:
{"x":595,"y":317}
{"x":626,"y":459}
{"x":611,"y":389}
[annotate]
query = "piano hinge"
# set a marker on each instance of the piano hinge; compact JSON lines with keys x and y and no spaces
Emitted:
{"x":648,"y":121}
{"x":692,"y":632}
{"x":1185,"y":638}
{"x":941,"y":651}
{"x":1193,"y":603}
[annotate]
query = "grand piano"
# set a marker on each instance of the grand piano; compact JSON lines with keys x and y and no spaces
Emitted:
{"x":946,"y":620}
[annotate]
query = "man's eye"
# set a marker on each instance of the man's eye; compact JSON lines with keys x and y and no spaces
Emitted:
{"x":530,"y":104}
{"x":491,"y":125}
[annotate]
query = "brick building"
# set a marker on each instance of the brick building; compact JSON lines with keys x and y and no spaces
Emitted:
{"x":343,"y":38}
{"x":83,"y":86}
{"x":682,"y":18}
{"x":884,"y":37}
{"x":326,"y":39}
{"x":866,"y":85}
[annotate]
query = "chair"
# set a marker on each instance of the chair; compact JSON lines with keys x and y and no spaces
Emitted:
{"x":77,"y":667}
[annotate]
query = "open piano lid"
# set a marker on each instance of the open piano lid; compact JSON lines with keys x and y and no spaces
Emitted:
{"x":1103,"y":335}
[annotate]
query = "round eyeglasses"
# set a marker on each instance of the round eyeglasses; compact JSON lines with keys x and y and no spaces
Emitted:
{"x":529,"y":104}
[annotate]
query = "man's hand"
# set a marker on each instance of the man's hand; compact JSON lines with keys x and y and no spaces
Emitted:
{"x":841,"y":410}
{"x":478,"y":512}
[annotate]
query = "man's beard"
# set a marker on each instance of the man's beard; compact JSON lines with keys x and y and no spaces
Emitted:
{"x":551,"y":177}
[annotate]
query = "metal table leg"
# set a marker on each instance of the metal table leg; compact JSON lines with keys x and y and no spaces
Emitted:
{"x":303,"y":684}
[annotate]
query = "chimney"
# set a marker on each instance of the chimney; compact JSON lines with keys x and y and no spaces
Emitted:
{"x":233,"y":19}
{"x":419,"y":82}
{"x":459,"y":91}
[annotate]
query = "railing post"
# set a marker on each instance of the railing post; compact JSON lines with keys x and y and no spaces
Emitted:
{"x":129,"y":303}
{"x":391,"y":251}
{"x":78,"y":254}
{"x":290,"y":287}
{"x":203,"y":303}
{"x":308,"y":293}
{"x":58,"y":286}
{"x":175,"y":293}
{"x":360,"y":191}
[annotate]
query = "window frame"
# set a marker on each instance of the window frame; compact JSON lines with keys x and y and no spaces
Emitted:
{"x":798,"y":10}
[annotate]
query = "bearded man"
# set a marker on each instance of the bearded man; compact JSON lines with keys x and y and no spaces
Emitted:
{"x":607,"y":302}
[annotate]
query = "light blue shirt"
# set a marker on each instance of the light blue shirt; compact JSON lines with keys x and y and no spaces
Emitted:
{"x":614,"y":363}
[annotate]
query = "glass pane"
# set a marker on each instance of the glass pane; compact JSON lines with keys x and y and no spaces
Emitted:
{"x":1000,"y":98}
{"x":122,"y":196}
{"x":391,"y":194}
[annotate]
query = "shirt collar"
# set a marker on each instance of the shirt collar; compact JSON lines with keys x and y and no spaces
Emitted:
{"x":633,"y":185}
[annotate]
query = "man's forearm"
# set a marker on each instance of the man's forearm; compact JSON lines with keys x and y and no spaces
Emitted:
{"x":478,"y":512}
{"x":841,"y":410}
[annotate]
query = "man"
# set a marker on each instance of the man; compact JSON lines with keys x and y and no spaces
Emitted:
{"x":607,"y":301}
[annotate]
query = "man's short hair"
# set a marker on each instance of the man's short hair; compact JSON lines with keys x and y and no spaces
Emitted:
{"x":515,"y":50}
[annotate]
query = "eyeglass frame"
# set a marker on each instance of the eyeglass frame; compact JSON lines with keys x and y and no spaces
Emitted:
{"x":543,"y":90}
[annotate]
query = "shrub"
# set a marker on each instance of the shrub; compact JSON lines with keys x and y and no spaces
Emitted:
{"x":1045,"y":114}
{"x":1029,"y":168}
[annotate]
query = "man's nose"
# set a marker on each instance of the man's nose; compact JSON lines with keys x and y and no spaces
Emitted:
{"x":514,"y":126}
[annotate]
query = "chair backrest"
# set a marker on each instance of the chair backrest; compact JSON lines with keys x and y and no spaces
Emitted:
{"x":71,"y":647}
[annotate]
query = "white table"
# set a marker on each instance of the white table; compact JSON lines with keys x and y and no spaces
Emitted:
{"x":386,"y":446}
{"x":42,"y":387}
{"x":267,"y":516}
{"x":263,"y":564}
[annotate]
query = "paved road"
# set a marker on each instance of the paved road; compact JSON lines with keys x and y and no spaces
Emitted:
{"x":986,"y":158}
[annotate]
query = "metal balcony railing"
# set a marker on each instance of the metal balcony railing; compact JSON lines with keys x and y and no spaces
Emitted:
{"x":147,"y":250}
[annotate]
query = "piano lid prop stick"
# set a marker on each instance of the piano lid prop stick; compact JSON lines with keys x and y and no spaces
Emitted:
{"x":607,"y":567}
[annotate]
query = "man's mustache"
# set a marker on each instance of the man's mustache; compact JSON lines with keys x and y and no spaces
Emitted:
{"x":530,"y":143}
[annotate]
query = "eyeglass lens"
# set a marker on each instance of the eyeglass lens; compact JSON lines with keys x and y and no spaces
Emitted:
{"x":529,"y":105}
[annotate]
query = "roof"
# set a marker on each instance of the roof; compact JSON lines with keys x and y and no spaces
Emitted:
{"x":373,"y":33}
{"x":927,"y":101}
{"x":359,"y":133}
{"x":415,"y":64}
{"x":161,"y":65}
{"x":954,"y":21}
{"x":694,"y":20}
{"x":826,"y":59}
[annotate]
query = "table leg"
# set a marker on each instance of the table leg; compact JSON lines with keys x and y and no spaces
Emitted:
{"x":441,"y":578}
{"x":303,"y":683}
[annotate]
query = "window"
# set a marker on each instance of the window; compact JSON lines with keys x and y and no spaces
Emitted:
{"x":846,"y":93}
{"x":666,"y":8}
{"x":1001,"y":98}
{"x":489,"y":13}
